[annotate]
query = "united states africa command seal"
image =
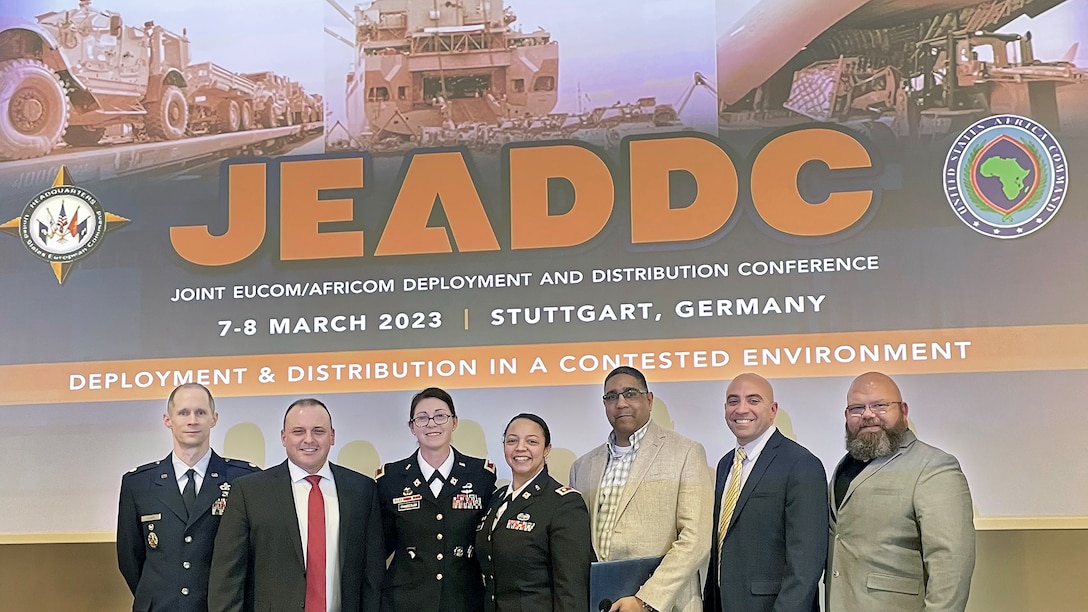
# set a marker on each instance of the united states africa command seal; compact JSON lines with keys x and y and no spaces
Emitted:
{"x":1005,"y":176}
{"x":62,"y":224}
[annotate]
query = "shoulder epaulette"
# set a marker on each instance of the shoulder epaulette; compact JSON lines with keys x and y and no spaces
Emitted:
{"x":380,"y":472}
{"x":145,"y":467}
{"x":489,"y":466}
{"x":241,"y":463}
{"x":564,"y":490}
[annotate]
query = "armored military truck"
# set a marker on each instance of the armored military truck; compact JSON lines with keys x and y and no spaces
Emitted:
{"x":71,"y":74}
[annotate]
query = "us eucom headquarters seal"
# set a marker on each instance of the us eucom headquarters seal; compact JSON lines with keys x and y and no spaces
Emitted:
{"x":62,"y":224}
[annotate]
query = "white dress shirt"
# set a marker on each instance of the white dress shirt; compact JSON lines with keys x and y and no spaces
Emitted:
{"x":509,"y":496}
{"x":200,"y":469}
{"x":752,"y":449}
{"x":300,"y":487}
{"x":444,"y":470}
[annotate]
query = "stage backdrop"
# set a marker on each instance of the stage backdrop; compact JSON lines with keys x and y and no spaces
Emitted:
{"x":286,"y":198}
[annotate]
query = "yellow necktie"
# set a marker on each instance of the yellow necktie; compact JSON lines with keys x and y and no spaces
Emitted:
{"x":729,"y":499}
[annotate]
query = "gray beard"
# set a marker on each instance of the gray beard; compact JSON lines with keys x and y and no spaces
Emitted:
{"x":868,"y":446}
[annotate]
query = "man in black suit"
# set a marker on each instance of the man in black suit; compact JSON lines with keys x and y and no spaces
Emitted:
{"x":169,"y":509}
{"x":770,"y":534}
{"x":303,"y":535}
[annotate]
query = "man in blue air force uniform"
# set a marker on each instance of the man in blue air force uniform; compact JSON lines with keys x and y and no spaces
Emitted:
{"x":169,"y":510}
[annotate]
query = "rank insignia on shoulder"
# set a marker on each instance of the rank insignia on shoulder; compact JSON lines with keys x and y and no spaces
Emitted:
{"x":489,"y":466}
{"x":564,"y":490}
{"x":379,"y":473}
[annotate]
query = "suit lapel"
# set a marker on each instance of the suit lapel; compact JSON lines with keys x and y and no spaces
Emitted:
{"x":766,"y":457}
{"x":167,"y":483}
{"x":412,"y":474}
{"x":347,"y":507}
{"x":644,"y":458}
{"x":209,"y":489}
{"x":457,"y":477}
{"x":525,"y":499}
{"x":493,"y":509}
{"x":283,"y":496}
{"x":875,"y":466}
{"x":834,"y":516}
{"x":597,"y":461}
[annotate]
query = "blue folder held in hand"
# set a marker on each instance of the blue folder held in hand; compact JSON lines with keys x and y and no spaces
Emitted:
{"x":612,"y":580}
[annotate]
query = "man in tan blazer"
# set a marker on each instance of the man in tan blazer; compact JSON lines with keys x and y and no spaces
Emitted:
{"x":649,"y":493}
{"x":902,"y":535}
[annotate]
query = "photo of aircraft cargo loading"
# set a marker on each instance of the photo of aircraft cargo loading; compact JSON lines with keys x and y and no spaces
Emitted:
{"x":891,"y":68}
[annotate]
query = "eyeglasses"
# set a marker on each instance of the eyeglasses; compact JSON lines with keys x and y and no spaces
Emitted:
{"x":439,"y":419}
{"x":611,"y":397}
{"x":877,"y":408}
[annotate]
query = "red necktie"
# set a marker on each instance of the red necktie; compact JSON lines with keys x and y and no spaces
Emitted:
{"x":315,"y":548}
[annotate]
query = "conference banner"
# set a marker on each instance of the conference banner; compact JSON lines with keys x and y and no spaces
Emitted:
{"x":508,"y":199}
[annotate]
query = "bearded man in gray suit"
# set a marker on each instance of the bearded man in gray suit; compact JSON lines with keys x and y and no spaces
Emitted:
{"x":902,"y":534}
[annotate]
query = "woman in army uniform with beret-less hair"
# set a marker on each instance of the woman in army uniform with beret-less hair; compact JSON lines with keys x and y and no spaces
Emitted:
{"x":431,"y":503}
{"x":534,"y":542}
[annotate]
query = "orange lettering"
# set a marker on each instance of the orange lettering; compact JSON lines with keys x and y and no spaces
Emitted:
{"x":774,"y":182}
{"x":651,"y":162}
{"x":446,"y":177}
{"x":245,"y":222}
{"x":301,"y":212}
{"x":530,"y":167}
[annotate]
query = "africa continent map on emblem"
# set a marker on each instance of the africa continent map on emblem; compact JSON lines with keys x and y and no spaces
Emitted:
{"x":1005,"y":176}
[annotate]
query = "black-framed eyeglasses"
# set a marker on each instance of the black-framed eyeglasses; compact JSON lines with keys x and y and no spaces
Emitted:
{"x":877,"y":408}
{"x":439,"y":419}
{"x":613,"y":396}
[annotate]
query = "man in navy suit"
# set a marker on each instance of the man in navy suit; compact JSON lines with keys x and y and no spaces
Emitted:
{"x":770,"y":548}
{"x":303,"y":535}
{"x":169,"y":509}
